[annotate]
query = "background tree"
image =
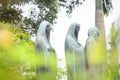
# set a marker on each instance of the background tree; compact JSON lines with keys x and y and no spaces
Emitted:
{"x":102,"y":7}
{"x":47,"y":11}
{"x":11,"y":12}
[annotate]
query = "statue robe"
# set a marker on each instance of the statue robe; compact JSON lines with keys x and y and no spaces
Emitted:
{"x":48,"y":70}
{"x":91,"y":44}
{"x":74,"y":54}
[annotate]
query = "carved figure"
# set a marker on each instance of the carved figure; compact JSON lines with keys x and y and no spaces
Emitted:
{"x":74,"y":53}
{"x":91,"y":43}
{"x":43,"y":48}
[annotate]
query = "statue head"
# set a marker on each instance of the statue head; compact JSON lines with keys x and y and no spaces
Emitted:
{"x":93,"y":32}
{"x":74,"y":30}
{"x":44,"y":29}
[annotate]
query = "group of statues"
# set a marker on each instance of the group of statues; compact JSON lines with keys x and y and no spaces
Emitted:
{"x":77,"y":58}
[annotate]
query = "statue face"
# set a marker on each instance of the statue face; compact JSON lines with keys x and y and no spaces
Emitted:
{"x":93,"y":32}
{"x":77,"y":28}
{"x":48,"y":29}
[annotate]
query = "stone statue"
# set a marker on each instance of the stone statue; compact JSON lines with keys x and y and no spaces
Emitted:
{"x":91,"y":43}
{"x":43,"y":48}
{"x":117,"y":29}
{"x":74,"y":54}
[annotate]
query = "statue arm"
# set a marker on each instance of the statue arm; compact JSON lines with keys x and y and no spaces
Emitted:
{"x":77,"y":47}
{"x":72,"y":45}
{"x":51,"y":49}
{"x":40,"y":44}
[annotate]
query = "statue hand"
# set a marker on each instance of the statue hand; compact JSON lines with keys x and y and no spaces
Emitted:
{"x":51,"y":49}
{"x":79,"y":44}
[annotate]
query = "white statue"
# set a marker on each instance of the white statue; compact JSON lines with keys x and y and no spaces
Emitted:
{"x":74,"y":53}
{"x":91,"y":43}
{"x":43,"y":48}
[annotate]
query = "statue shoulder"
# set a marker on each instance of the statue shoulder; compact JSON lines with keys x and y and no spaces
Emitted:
{"x":90,"y":40}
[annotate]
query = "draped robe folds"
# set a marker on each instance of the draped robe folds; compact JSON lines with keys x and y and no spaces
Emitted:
{"x":47,"y":70}
{"x":74,"y":55}
{"x":91,"y":43}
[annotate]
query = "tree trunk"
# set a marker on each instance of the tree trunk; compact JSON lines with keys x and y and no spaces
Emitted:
{"x":99,"y":23}
{"x":99,"y":17}
{"x":99,"y":20}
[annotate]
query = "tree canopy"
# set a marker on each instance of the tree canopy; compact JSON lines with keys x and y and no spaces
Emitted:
{"x":71,"y":4}
{"x":10,"y":11}
{"x":47,"y":11}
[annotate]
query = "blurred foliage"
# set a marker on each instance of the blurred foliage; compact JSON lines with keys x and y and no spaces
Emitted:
{"x":18,"y":33}
{"x":16,"y":53}
{"x":114,"y":53}
{"x":99,"y":53}
{"x":17,"y":56}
